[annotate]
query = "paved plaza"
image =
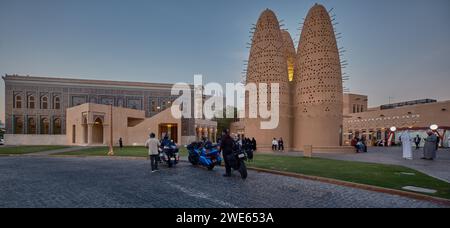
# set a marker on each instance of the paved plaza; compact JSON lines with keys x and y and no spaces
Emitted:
{"x":43,"y":181}
{"x":440,"y":168}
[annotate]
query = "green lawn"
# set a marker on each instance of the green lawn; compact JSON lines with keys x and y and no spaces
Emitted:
{"x":137,"y":151}
{"x":388,"y":176}
{"x":27,"y":149}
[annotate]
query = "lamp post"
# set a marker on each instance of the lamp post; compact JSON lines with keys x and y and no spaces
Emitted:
{"x":111,"y":147}
{"x":434,"y":127}
{"x":391,"y":135}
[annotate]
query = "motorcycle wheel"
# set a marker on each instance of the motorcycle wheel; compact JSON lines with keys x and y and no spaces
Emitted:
{"x":193,"y":160}
{"x":211,"y":167}
{"x":243,"y":170}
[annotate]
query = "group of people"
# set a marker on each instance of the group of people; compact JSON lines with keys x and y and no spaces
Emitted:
{"x":226,"y":143}
{"x":277,"y":145}
{"x":244,"y":142}
{"x":429,"y":150}
{"x":360,"y":144}
{"x":153,"y":145}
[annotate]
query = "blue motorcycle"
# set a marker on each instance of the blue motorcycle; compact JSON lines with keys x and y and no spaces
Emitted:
{"x":204,"y":155}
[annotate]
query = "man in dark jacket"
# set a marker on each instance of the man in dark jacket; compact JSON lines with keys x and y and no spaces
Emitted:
{"x":254,"y":144}
{"x":417,"y":141}
{"x":226,"y":147}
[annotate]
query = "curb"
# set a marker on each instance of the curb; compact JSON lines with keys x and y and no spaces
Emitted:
{"x":411,"y":195}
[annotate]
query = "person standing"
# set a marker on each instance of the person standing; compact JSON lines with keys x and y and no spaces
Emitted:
{"x":227,"y":151}
{"x":448,"y":141}
{"x":364,"y":144}
{"x":120,"y":143}
{"x":417,"y":141}
{"x":359,"y":145}
{"x":274,"y":144}
{"x":429,"y":150}
{"x":438,"y":141}
{"x":254,"y":143}
{"x":354,"y":143}
{"x":281,"y":144}
{"x":406,"y":144}
{"x":153,"y":144}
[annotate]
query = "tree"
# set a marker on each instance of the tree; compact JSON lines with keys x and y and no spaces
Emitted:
{"x":224,"y":123}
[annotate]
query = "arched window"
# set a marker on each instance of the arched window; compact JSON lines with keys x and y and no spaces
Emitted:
{"x":45,"y":126}
{"x":31,"y":126}
{"x":18,"y":125}
{"x":56,"y":103}
{"x":57,"y":126}
{"x":18,"y":101}
{"x":44,"y":102}
{"x":31,"y":102}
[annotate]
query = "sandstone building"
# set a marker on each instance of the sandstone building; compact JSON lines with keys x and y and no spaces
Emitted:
{"x":42,"y":110}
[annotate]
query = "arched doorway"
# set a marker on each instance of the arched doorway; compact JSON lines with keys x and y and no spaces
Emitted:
{"x":97,"y":131}
{"x":45,"y":126}
{"x":31,"y":126}
{"x":171,"y":130}
{"x":57,"y":126}
{"x":18,"y":125}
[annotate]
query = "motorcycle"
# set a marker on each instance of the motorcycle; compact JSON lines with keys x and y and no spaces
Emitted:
{"x":208,"y":157}
{"x":237,"y":161}
{"x":169,"y":154}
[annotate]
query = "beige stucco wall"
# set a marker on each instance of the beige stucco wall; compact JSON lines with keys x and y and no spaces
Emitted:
{"x":351,"y":100}
{"x":318,"y":98}
{"x":34,"y":140}
{"x":139,"y":134}
{"x":268,"y":63}
{"x":128,"y":124}
{"x":416,"y":116}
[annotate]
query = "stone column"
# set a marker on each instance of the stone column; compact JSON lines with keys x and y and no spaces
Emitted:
{"x":50,"y":130}
{"x":90,"y":133}
{"x":63,"y":125}
{"x":215,"y":135}
{"x":210,"y":134}
{"x":196,"y":133}
{"x":204,"y":132}
{"x":38,"y":124}
{"x":25,"y":124}
{"x":13,"y":126}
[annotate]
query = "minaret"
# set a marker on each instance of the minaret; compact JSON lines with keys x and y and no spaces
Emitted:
{"x":318,"y":84}
{"x":268,"y":64}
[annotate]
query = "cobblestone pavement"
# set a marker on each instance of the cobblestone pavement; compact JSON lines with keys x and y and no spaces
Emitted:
{"x":105,"y":182}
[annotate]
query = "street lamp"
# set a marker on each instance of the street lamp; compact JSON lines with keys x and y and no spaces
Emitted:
{"x":434,"y":127}
{"x":393,"y":129}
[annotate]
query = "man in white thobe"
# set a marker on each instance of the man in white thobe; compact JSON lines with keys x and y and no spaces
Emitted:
{"x":448,"y":141}
{"x":406,"y":143}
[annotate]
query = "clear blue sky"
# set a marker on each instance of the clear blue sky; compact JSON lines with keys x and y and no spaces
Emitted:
{"x":394,"y":48}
